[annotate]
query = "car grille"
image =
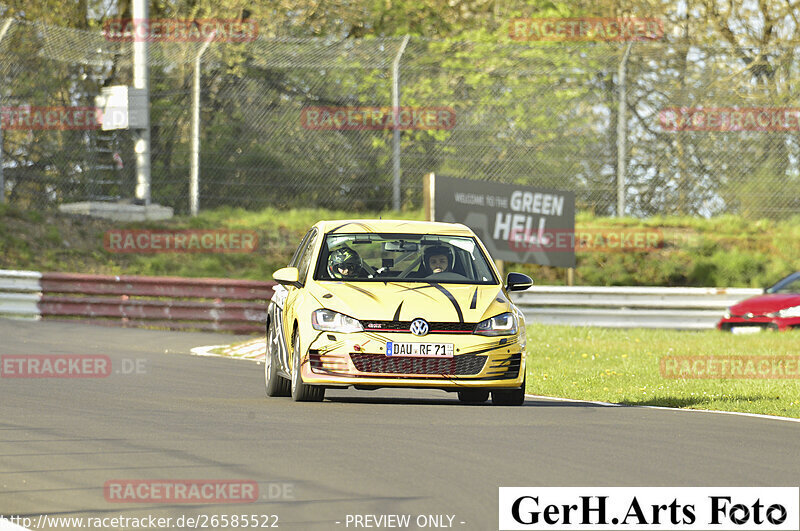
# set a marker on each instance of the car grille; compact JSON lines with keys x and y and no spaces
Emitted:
{"x":405,"y":326}
{"x":461,"y":365}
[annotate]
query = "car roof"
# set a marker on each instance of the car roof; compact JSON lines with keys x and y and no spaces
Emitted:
{"x":401,"y":226}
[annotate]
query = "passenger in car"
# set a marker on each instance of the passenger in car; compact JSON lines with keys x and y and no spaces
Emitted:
{"x":345,"y":263}
{"x":438,"y":263}
{"x":436,"y":259}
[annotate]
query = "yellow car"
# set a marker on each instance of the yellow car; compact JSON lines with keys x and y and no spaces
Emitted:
{"x":379,"y":303}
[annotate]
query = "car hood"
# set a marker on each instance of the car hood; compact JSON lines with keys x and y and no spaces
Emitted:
{"x":765,"y":303}
{"x":405,"y":301}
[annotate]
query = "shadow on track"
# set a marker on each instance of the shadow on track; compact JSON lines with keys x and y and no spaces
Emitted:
{"x":452,"y":401}
{"x":684,"y":402}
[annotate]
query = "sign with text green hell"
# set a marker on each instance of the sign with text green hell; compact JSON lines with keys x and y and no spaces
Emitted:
{"x":517,"y":223}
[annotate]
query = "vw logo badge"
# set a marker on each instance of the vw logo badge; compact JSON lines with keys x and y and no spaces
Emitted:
{"x":419,"y":327}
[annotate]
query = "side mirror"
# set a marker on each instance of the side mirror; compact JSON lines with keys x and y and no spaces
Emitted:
{"x":287,"y":275}
{"x":518,"y":282}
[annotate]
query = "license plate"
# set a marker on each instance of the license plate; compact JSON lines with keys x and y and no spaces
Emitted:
{"x":746,"y":329}
{"x":420,"y":350}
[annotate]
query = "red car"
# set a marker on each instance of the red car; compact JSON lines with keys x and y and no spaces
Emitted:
{"x":777,"y":309}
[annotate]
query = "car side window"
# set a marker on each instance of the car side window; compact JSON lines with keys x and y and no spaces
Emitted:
{"x":791,"y":287}
{"x":300,"y":248}
{"x":305,"y":257}
{"x":790,"y":284}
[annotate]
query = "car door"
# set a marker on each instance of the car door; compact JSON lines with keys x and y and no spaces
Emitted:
{"x":277,"y":309}
{"x":296,"y":295}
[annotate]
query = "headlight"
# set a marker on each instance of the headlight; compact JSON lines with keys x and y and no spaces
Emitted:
{"x":330,"y":321}
{"x":504,"y":324}
{"x":727,"y":314}
{"x":794,"y":311}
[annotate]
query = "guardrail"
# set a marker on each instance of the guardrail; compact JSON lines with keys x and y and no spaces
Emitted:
{"x":20,"y":292}
{"x":164,"y":302}
{"x":240,"y":305}
{"x":629,"y":307}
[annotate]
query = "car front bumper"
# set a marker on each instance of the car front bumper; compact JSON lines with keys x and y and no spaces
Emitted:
{"x":758,"y":322}
{"x":360,"y":359}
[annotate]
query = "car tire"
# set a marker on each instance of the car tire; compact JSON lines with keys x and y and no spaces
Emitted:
{"x":302,"y":392}
{"x":509,"y":397}
{"x":275,"y":384}
{"x":473,"y":396}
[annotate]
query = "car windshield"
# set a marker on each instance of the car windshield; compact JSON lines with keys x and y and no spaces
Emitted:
{"x":790,"y":284}
{"x":368,"y":257}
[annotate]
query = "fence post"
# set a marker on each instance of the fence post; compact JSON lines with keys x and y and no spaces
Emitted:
{"x":141,"y":80}
{"x":194,"y":178}
{"x":3,"y":31}
{"x":621,"y":133}
{"x":395,"y":115}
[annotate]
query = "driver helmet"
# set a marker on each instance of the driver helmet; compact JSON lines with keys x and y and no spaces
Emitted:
{"x":438,"y":250}
{"x":344,"y":262}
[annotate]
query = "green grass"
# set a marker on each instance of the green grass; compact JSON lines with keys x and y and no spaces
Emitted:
{"x":728,"y":251}
{"x":50,"y":241}
{"x":622,"y":366}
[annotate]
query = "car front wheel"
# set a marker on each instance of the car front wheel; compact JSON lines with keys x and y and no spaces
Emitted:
{"x":473,"y":396}
{"x":509,"y":397}
{"x":302,"y":392}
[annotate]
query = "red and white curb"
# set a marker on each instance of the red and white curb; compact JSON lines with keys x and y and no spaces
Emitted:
{"x":253,"y":350}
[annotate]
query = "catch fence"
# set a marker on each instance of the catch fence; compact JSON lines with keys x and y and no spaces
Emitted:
{"x":533,"y":113}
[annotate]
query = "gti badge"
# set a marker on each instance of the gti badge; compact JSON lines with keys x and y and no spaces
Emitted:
{"x":419,"y":327}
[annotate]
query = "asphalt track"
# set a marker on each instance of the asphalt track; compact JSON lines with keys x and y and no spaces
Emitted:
{"x":382,"y":452}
